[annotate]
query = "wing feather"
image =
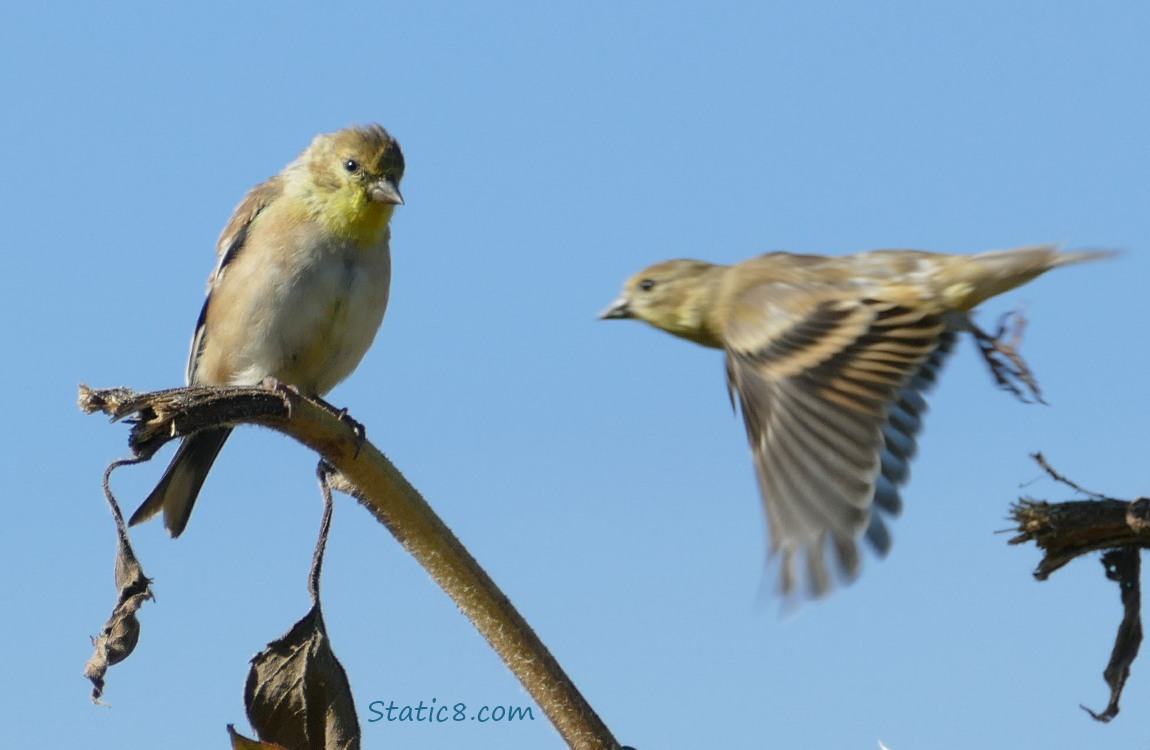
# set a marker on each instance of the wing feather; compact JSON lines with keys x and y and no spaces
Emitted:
{"x":228,"y":247}
{"x":832,"y":404}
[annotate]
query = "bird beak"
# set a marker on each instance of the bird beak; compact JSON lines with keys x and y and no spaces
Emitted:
{"x":386,"y":191}
{"x":619,"y":309}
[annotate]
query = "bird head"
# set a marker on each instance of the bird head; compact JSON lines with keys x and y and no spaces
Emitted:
{"x":351,"y":179}
{"x":674,"y":296}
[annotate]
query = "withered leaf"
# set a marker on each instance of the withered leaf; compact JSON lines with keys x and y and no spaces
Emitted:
{"x":240,"y":742}
{"x":297,"y":692}
{"x":1125,"y":567}
{"x":121,"y":632}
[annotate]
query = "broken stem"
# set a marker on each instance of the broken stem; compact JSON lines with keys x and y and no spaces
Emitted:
{"x":366,"y":474}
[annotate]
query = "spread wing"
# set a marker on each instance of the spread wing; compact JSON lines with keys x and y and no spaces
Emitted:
{"x":228,"y":247}
{"x":830,"y":391}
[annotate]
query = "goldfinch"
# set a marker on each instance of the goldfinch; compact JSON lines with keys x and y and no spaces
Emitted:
{"x":298,"y":293}
{"x":828,"y":358}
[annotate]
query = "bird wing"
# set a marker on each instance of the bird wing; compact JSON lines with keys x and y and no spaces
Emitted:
{"x":228,"y":247}
{"x":830,"y":387}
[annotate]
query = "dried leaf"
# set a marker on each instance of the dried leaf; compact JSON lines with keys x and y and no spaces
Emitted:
{"x":297,"y":692}
{"x":120,"y":634}
{"x":240,"y":742}
{"x":1124,"y":566}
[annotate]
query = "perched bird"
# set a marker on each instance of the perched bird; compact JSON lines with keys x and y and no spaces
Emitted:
{"x":829,"y":358}
{"x":298,"y":293}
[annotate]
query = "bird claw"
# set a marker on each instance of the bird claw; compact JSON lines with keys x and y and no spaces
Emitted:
{"x":291,"y":394}
{"x":1000,"y":350}
{"x":356,"y":427}
{"x":288,"y":391}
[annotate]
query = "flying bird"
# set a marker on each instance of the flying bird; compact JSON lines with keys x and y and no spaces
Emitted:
{"x":829,"y":358}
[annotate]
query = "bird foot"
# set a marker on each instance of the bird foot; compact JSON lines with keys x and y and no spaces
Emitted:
{"x":291,"y":393}
{"x":1000,"y":350}
{"x":356,"y":427}
{"x":288,"y":391}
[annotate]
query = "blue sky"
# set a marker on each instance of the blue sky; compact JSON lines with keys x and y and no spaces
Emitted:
{"x":594,"y":468}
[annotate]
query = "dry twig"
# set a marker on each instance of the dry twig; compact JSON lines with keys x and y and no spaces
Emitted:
{"x":373,"y":480}
{"x":1120,"y":529}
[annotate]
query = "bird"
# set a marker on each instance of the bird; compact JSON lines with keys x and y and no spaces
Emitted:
{"x":828,"y":358}
{"x":298,"y":292}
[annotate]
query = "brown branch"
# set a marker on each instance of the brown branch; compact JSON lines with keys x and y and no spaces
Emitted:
{"x":373,"y":480}
{"x":1064,"y":531}
{"x":1120,"y":529}
{"x":1041,"y":461}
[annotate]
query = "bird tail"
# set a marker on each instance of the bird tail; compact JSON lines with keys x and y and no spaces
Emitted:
{"x":177,"y":490}
{"x":998,"y":271}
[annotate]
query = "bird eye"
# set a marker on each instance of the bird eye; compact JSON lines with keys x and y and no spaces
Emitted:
{"x":351,"y":165}
{"x":646,"y":285}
